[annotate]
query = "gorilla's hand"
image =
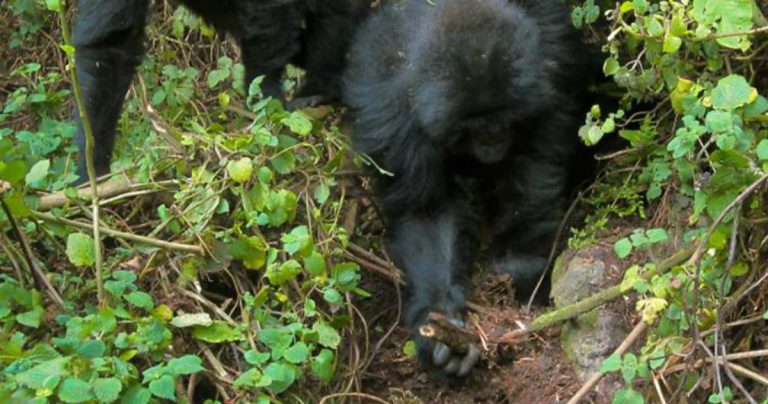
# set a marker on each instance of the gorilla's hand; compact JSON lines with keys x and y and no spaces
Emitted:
{"x":456,"y":362}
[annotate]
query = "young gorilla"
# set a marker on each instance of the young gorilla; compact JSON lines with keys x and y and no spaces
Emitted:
{"x":466,"y":88}
{"x":109,"y":38}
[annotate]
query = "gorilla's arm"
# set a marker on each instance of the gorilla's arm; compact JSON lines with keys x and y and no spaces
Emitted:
{"x":530,"y":193}
{"x":435,"y":252}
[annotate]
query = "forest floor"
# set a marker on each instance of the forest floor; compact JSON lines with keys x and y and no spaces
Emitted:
{"x":535,"y":371}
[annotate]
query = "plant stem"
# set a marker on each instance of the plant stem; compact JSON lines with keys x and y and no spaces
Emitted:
{"x":89,"y":145}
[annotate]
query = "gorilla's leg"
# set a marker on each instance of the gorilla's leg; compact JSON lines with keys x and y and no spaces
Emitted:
{"x":108,"y":40}
{"x":433,"y":250}
{"x":271,"y":38}
{"x":331,"y":26}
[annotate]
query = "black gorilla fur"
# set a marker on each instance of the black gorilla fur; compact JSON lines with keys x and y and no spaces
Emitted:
{"x":109,"y":37}
{"x":487,"y":89}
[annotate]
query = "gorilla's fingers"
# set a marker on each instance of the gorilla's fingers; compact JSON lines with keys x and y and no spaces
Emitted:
{"x":469,"y":361}
{"x":441,"y":354}
{"x":453,"y":366}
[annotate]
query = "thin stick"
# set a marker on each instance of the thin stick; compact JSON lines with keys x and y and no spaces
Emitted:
{"x":128,"y":236}
{"x":595,"y":378}
{"x":89,"y":145}
{"x":37,"y":273}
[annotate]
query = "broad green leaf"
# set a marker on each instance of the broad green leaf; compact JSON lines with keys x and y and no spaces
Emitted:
{"x":140,"y":299}
{"x":762,"y":149}
{"x":185,"y":365}
{"x":240,"y":170}
{"x":627,"y":396}
{"x":623,"y":248}
{"x":297,"y":354}
{"x":192,"y":319}
{"x":108,"y":389}
{"x":80,"y":249}
{"x":298,"y":123}
{"x":732,"y":92}
{"x":164,"y":387}
{"x":328,"y":336}
{"x":282,"y":374}
{"x":216,"y":333}
{"x":74,"y":390}
{"x":47,"y":374}
{"x":38,"y":171}
{"x":611,"y":364}
{"x":322,"y":365}
{"x":31,"y":318}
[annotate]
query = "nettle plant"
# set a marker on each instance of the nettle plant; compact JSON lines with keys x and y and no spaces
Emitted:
{"x":268,"y":205}
{"x":251,"y":187}
{"x":695,"y":123}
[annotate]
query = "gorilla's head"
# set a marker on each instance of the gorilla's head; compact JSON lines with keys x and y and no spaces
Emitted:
{"x":475,"y":83}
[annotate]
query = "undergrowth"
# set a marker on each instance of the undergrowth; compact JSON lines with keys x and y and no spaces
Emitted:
{"x":228,"y":270}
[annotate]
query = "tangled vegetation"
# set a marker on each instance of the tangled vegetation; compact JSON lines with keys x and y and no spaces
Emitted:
{"x":228,"y":265}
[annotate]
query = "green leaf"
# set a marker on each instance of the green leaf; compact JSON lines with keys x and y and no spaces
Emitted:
{"x":185,"y":365}
{"x":328,"y":336}
{"x":409,"y":349}
{"x":38,"y":171}
{"x":321,"y":193}
{"x":656,"y":235}
{"x":91,"y":349}
{"x":611,"y":364}
{"x":611,"y":66}
{"x":657,"y":358}
{"x":297,"y":240}
{"x":31,"y":318}
{"x":671,"y":43}
{"x":216,"y":333}
{"x":136,"y":394}
{"x":297,"y":354}
{"x":252,"y":378}
{"x":627,"y":396}
{"x":732,"y":92}
{"x":332,"y":296}
{"x":74,"y":390}
{"x":282,"y":375}
{"x":275,"y":339}
{"x":107,"y":389}
{"x":252,"y":250}
{"x":623,"y":248}
{"x":315,"y":264}
{"x":80,"y":249}
{"x":164,"y":387}
{"x":216,"y":76}
{"x":47,"y":374}
{"x":278,"y":275}
{"x":53,"y":5}
{"x":255,"y":357}
{"x":240,"y":170}
{"x":298,"y":123}
{"x":629,"y":367}
{"x":192,"y":319}
{"x":762,"y":149}
{"x":140,"y":299}
{"x":322,"y":365}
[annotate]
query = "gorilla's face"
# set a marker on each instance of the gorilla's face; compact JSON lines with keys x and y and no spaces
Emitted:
{"x":487,"y":137}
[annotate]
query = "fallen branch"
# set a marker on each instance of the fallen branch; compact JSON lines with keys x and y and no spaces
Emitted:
{"x":585,"y":305}
{"x":440,"y":329}
{"x":168,"y":245}
{"x":113,"y":187}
